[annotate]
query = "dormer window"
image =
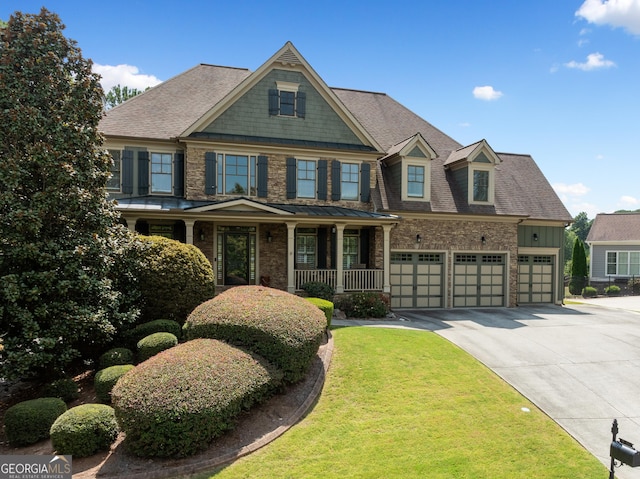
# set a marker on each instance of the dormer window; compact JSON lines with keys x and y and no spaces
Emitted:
{"x":473,"y":168}
{"x":480,"y":185}
{"x":287,"y":100}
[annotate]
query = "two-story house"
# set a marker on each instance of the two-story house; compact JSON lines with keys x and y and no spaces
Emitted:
{"x":280,"y":179}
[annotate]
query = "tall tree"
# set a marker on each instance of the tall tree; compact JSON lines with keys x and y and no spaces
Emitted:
{"x":57,"y":228}
{"x":579,"y":270}
{"x":581,"y":226}
{"x":119,"y":94}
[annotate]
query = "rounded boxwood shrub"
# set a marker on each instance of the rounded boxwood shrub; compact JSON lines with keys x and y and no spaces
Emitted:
{"x":285,"y":329}
{"x":115,"y":357}
{"x":132,"y":336}
{"x":612,"y":290}
{"x":154,"y":343}
{"x":84,"y":430}
{"x":65,"y":389}
{"x":325,"y":306}
{"x":173,"y":278}
{"x":589,"y":292}
{"x":107,"y":378}
{"x":175,"y":403}
{"x":29,"y":421}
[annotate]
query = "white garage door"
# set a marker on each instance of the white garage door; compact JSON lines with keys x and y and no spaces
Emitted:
{"x":417,"y":280}
{"x":535,"y":279}
{"x":478,"y":280}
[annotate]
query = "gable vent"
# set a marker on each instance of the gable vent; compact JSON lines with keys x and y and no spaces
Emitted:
{"x":289,"y":57}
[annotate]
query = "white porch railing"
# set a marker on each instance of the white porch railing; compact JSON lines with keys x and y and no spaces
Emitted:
{"x":352,"y":279}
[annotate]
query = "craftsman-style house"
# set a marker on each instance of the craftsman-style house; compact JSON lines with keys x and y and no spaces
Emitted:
{"x":280,"y":180}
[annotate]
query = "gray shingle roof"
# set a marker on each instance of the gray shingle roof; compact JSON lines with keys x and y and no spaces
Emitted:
{"x":615,"y":227}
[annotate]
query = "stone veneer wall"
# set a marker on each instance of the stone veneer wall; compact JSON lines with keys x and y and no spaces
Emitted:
{"x":455,"y":235}
{"x":272,"y":259}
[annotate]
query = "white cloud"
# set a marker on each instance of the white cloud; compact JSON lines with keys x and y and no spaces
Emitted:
{"x":576,"y":189}
{"x":594,"y":61}
{"x":628,"y":203}
{"x":465,"y":124}
{"x":124,"y":75}
{"x":617,"y":13}
{"x":486,"y":93}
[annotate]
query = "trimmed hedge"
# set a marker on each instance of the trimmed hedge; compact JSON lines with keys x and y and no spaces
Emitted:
{"x":613,"y":290}
{"x":30,"y":421}
{"x":589,"y":292}
{"x":283,"y":328}
{"x":175,"y":403}
{"x":143,"y":330}
{"x":107,"y":378}
{"x":318,"y":289}
{"x":364,"y":305}
{"x":115,"y":357}
{"x":325,"y":306}
{"x":154,"y":343}
{"x":65,"y":389}
{"x":84,"y":430}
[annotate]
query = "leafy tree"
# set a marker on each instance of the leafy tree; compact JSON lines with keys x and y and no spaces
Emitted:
{"x":119,"y":94}
{"x":578,"y":268}
{"x":59,"y":235}
{"x":581,"y":226}
{"x":569,"y":241}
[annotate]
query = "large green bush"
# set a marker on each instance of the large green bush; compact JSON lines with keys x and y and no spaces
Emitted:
{"x":132,"y":336}
{"x":364,"y":305}
{"x":29,"y":421}
{"x":65,"y":389}
{"x":325,"y":306}
{"x":173,"y":278}
{"x":84,"y":430}
{"x":285,"y":329}
{"x":318,"y":289}
{"x":107,"y":378}
{"x":154,"y":343}
{"x":115,"y":357}
{"x":175,"y":403}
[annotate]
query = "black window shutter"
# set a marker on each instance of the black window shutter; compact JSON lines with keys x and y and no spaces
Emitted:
{"x":365,"y":176}
{"x":364,"y":246}
{"x":274,"y":102}
{"x":178,"y":169}
{"x":335,"y":180}
{"x":127,"y":172}
{"x":263,"y":179}
{"x":301,"y":104}
{"x":322,"y":248}
{"x":322,"y":179}
{"x":143,"y":173}
{"x":291,"y":178}
{"x":210,"y":173}
{"x":334,"y":250}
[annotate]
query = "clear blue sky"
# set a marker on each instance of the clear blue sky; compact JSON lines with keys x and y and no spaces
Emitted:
{"x":557,"y":79}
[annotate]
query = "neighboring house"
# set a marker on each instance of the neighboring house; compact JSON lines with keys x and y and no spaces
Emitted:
{"x":280,"y":179}
{"x":614,"y":249}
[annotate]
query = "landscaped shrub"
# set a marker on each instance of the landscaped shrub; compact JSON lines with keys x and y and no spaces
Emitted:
{"x":364,"y":305}
{"x":317,"y":289}
{"x":173,"y":279}
{"x":589,"y":292}
{"x":154,"y":343}
{"x":612,"y":290}
{"x":107,"y":378}
{"x":115,"y":357}
{"x":84,"y":430}
{"x":65,"y":389}
{"x":634,"y":286}
{"x":175,"y":403}
{"x":134,"y":335}
{"x":29,"y":421}
{"x":285,"y":329}
{"x":325,"y":306}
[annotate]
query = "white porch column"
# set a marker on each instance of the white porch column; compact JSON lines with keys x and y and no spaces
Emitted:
{"x":131,"y":224}
{"x":386,"y":258}
{"x":189,"y":227}
{"x":291,"y":257}
{"x":339,"y":259}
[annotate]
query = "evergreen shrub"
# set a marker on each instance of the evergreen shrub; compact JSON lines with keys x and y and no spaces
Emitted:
{"x":589,"y":292}
{"x":154,"y":343}
{"x":65,"y":389}
{"x":634,"y":286}
{"x":84,"y":430}
{"x":107,"y":378}
{"x":283,"y":328}
{"x":318,"y":289}
{"x":132,"y":336}
{"x":364,"y":305}
{"x":175,"y":403}
{"x":613,"y":290}
{"x":28,"y":422}
{"x":325,"y":306}
{"x":115,"y":357}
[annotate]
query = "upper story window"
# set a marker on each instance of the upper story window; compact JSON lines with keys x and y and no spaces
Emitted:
{"x":480,"y":185}
{"x":237,"y":174}
{"x":287,"y":100}
{"x":306,"y":177}
{"x":415,"y":181}
{"x":349,"y":181}
{"x":113,"y":183}
{"x":161,"y":172}
{"x":623,"y":263}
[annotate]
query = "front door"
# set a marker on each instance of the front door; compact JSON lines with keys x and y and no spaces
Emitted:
{"x":236,"y":255}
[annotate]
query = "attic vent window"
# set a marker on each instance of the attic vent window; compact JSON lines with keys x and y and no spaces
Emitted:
{"x":287,"y":100}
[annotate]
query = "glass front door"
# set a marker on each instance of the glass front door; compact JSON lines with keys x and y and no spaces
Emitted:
{"x":236,"y":255}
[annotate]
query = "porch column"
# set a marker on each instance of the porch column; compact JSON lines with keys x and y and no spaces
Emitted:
{"x":189,"y":227}
{"x":131,"y":224}
{"x":291,"y":257}
{"x":386,"y":258}
{"x":339,"y":254}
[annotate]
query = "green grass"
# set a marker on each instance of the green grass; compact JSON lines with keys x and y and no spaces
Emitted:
{"x":408,"y":404}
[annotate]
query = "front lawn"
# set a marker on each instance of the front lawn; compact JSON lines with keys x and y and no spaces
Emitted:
{"x":409,"y":404}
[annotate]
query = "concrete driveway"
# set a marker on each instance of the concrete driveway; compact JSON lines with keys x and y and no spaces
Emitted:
{"x":579,"y":363}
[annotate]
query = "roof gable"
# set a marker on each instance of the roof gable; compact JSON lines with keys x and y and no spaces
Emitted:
{"x":240,"y":205}
{"x":415,"y":147}
{"x":620,"y":227}
{"x":479,"y":152}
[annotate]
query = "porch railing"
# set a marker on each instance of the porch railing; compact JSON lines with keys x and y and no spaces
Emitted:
{"x":352,"y":279}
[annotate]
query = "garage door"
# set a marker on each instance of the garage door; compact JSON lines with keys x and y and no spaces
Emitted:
{"x":535,"y":279}
{"x":417,"y":280}
{"x":478,"y":280}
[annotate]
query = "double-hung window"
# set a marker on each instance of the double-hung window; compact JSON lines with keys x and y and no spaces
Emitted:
{"x":287,"y":100}
{"x":113,"y":183}
{"x":161,"y":172}
{"x":415,"y":181}
{"x":306,"y":247}
{"x":349,"y":181}
{"x":623,"y":263}
{"x":306,"y":179}
{"x":237,"y":174}
{"x":350,"y":248}
{"x":480,"y":185}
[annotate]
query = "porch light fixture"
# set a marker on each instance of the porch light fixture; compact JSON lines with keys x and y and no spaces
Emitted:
{"x":535,"y":236}
{"x":418,"y":238}
{"x":483,"y":240}
{"x":269,"y":237}
{"x":201,"y":234}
